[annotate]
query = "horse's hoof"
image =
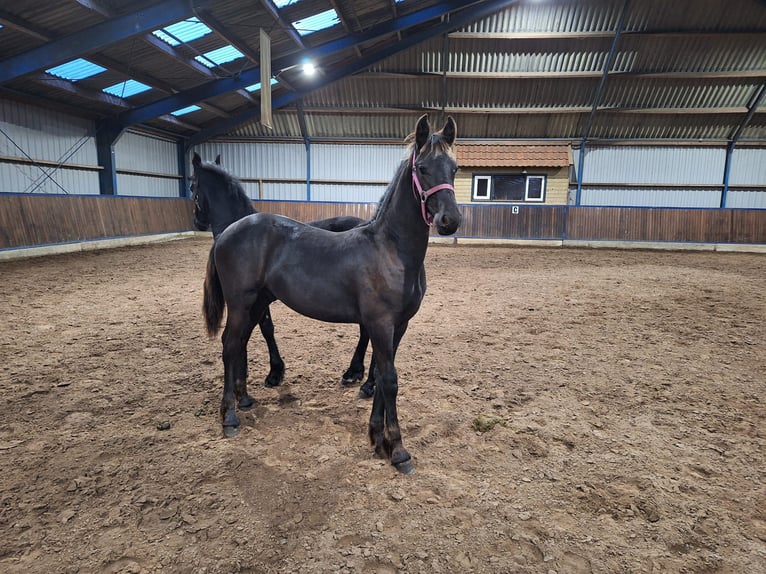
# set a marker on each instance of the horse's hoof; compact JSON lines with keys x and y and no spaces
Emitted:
{"x":246,"y":403}
{"x":405,"y":467}
{"x":272,"y":381}
{"x":366,"y":392}
{"x":230,"y":432}
{"x":351,"y":377}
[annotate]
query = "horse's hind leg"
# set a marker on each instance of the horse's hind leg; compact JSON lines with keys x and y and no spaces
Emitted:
{"x":355,"y":370}
{"x":367,"y":389}
{"x":239,"y":326}
{"x":277,"y":365}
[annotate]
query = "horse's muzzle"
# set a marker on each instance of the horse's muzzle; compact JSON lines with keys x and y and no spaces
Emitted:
{"x":446,"y":223}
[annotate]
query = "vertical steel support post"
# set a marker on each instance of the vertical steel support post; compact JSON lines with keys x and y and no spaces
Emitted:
{"x":183,"y":187}
{"x":106,"y":137}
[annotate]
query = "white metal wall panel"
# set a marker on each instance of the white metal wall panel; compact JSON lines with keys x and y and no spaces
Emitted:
{"x":284,"y":191}
{"x":146,"y":186}
{"x":748,"y":167}
{"x":258,"y":159}
{"x":346,"y":162}
{"x":654,"y":165}
{"x":140,"y":152}
{"x":46,"y":135}
{"x":746,"y":199}
{"x":20,"y":178}
{"x":645,"y":197}
{"x":365,"y":193}
{"x":41,"y":134}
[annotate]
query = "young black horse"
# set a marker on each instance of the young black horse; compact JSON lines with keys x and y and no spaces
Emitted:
{"x":220,"y":202}
{"x":370,"y":275}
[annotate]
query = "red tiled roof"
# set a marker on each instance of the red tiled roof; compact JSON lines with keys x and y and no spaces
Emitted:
{"x":509,"y":154}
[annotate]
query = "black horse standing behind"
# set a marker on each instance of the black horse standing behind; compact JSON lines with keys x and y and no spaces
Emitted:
{"x":219,"y":201}
{"x":369,"y":275}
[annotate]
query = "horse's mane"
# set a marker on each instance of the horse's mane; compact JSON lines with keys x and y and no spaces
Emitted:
{"x":233,"y":186}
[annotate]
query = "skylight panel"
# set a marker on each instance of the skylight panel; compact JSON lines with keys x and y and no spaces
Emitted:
{"x":257,"y":87}
{"x":127,"y":88}
{"x":321,"y":21}
{"x":219,"y":56}
{"x":186,"y":110}
{"x":183,"y":31}
{"x":78,"y":69}
{"x":283,"y":3}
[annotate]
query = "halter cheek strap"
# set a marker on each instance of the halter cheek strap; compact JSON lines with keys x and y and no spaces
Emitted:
{"x":423,"y":196}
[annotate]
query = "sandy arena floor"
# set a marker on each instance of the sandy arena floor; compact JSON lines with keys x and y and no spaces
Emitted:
{"x":627,"y":388}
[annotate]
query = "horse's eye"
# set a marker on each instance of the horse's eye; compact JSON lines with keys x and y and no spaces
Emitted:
{"x":422,"y":170}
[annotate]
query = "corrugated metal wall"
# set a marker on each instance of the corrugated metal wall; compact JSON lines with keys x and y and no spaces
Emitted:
{"x":664,"y":176}
{"x":146,"y":166}
{"x":339,"y":172}
{"x":32,"y":134}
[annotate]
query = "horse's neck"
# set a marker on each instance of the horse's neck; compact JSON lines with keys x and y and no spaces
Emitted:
{"x":222,"y":215}
{"x":399,"y":219}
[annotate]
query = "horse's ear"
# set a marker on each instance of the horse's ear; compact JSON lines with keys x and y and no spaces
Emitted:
{"x":449,"y":132}
{"x":422,"y":131}
{"x":218,"y":159}
{"x":196,"y":160}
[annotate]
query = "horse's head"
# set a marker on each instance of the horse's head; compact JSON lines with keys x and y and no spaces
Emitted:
{"x":219,"y":198}
{"x":433,"y":175}
{"x":201,"y":203}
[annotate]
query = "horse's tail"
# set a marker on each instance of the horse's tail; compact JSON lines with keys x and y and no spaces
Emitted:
{"x":213,"y":302}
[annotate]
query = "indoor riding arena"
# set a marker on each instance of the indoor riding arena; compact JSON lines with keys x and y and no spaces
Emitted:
{"x":543,"y":222}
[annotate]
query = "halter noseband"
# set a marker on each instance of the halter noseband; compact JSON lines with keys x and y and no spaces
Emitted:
{"x":424,"y":195}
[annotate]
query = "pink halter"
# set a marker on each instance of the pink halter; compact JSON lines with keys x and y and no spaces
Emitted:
{"x":424,"y":195}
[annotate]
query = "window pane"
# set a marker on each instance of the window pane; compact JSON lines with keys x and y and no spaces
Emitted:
{"x":481,"y":188}
{"x":535,"y":189}
{"x":508,"y":188}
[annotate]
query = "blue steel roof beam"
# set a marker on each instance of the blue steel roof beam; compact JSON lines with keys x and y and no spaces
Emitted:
{"x":286,"y":27}
{"x":597,"y":98}
{"x":94,"y":38}
{"x":607,"y":68}
{"x":755,"y":102}
{"x":477,"y":12}
{"x":302,"y":123}
{"x":752,"y":107}
{"x":157,"y":43}
{"x":21,"y":25}
{"x":253,"y":75}
{"x":100,"y":97}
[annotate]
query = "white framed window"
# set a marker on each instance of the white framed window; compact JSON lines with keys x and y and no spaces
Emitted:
{"x":509,"y":187}
{"x":535,"y":188}
{"x":482,"y":185}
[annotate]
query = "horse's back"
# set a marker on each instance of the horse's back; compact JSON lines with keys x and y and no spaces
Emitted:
{"x":309,"y":269}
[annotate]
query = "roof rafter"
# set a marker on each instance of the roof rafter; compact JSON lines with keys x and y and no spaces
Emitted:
{"x":227,"y":34}
{"x":94,"y":38}
{"x":456,"y":20}
{"x":252,"y":75}
{"x":286,"y":27}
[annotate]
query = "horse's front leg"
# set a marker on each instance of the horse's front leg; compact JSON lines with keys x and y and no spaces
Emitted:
{"x":355,"y":370}
{"x":276,"y":364}
{"x":385,"y":433}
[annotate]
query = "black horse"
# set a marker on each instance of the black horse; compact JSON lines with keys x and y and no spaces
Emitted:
{"x":224,"y":201}
{"x":370,"y":275}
